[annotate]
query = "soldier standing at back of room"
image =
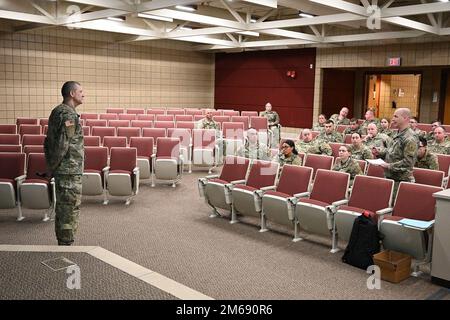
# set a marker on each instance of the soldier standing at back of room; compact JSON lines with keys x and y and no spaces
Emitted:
{"x":64,"y":153}
{"x":401,"y":155}
{"x":273,"y":120}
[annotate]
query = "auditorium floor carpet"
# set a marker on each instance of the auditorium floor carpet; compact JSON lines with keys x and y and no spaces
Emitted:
{"x":167,"y":230}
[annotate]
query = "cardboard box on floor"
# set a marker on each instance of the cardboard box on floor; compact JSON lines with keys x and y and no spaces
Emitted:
{"x":394,"y":266}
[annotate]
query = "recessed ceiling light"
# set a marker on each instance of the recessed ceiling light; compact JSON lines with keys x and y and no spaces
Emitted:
{"x":305,"y":15}
{"x":185,"y":8}
{"x":119,"y":19}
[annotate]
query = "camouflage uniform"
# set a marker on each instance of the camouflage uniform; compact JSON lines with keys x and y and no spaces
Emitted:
{"x":380,"y":141}
{"x":293,"y":159}
{"x":387,"y":132}
{"x":258,"y":151}
{"x":362,"y":153}
{"x":363,"y":126}
{"x":428,"y":161}
{"x":318,"y":127}
{"x":314,"y":147}
{"x":401,"y":155}
{"x":419,"y":133}
{"x":442,"y":148}
{"x":206,"y":124}
{"x":349,"y":130}
{"x":429,"y":136}
{"x":335,"y":119}
{"x":64,"y":153}
{"x":350,"y":166}
{"x":273,"y":120}
{"x":332,"y":137}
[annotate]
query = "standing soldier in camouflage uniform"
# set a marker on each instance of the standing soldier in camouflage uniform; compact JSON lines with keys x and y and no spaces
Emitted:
{"x":289,"y":154}
{"x":401,"y":155}
{"x":207,"y":122}
{"x":329,"y":134}
{"x":358,"y":150}
{"x":64,"y":153}
{"x":252,"y":148}
{"x":273,"y":121}
{"x":426,"y":159}
{"x":307,"y":145}
{"x":341,"y":118}
{"x":345,"y":163}
{"x":319,"y":126}
{"x":370,"y":118}
{"x":384,"y":123}
{"x":440,"y":142}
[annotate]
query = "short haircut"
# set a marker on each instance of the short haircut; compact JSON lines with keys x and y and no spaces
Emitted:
{"x":68,"y":87}
{"x":415,"y":118}
{"x":423,"y":141}
{"x":329,"y":121}
{"x":354,"y":120}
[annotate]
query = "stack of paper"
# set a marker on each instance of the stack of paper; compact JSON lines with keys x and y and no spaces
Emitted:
{"x":416,"y":223}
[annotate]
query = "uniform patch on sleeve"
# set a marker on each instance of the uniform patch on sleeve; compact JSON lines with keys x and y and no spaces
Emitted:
{"x":69,"y":123}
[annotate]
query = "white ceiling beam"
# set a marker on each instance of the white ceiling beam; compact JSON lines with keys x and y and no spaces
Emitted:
{"x":118,"y":27}
{"x":100,"y":14}
{"x":266,"y":3}
{"x":160,"y":4}
{"x":229,"y":35}
{"x":43,"y":11}
{"x":206,"y":40}
{"x":291,"y":34}
{"x":299,"y":22}
{"x":236,"y":15}
{"x":387,"y":4}
{"x":194,"y":17}
{"x":430,"y":16}
{"x":365,"y":3}
{"x":316,"y":31}
{"x":416,"y":9}
{"x":444,"y":31}
{"x":27,"y":17}
{"x":408,"y":23}
{"x":198,"y":32}
{"x":271,"y":43}
{"x":343,"y":5}
{"x":374,"y":36}
{"x":267,"y":15}
{"x":111,"y":4}
{"x":138,"y":38}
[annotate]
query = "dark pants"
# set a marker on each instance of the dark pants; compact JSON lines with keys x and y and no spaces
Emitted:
{"x":68,"y":200}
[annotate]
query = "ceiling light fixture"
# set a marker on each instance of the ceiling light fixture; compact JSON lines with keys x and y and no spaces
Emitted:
{"x":305,"y":15}
{"x":119,"y":19}
{"x":153,"y":17}
{"x":186,"y":8}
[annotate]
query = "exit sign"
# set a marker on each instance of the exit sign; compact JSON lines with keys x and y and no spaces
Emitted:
{"x":394,"y":62}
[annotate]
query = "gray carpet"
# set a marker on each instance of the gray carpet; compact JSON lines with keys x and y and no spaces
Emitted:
{"x":25,"y":277}
{"x":168,"y":230}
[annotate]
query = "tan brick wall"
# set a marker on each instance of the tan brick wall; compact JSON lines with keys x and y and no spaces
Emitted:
{"x":33,"y":67}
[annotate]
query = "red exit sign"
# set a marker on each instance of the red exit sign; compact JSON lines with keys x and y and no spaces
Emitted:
{"x":394,"y":62}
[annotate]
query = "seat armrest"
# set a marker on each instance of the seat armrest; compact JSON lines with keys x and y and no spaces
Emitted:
{"x":212,"y":176}
{"x":153,"y":155}
{"x":264,"y":189}
{"x":339,"y":202}
{"x":238,"y":181}
{"x":384,"y":211}
{"x":20,"y":179}
{"x":136,"y":180}
{"x":302,"y":194}
{"x":105,"y":169}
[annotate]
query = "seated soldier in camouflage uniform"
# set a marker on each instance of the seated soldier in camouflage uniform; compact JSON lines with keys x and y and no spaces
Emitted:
{"x":345,"y":163}
{"x":319,"y":126}
{"x":440,"y":143}
{"x":207,"y":122}
{"x":384,"y":122}
{"x":64,"y":154}
{"x":358,"y":150}
{"x":375,"y":139}
{"x":370,"y":118}
{"x":413,"y":125}
{"x":252,"y":148}
{"x":426,"y":159}
{"x":289,"y":154}
{"x":273,"y":121}
{"x":307,"y":145}
{"x":354,"y":127}
{"x":430,"y":135}
{"x":330,"y":134}
{"x":341,"y":118}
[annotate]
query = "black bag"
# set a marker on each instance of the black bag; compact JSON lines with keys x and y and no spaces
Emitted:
{"x":364,"y":243}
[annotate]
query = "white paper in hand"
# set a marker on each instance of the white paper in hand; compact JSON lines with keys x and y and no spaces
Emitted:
{"x":376,"y":162}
